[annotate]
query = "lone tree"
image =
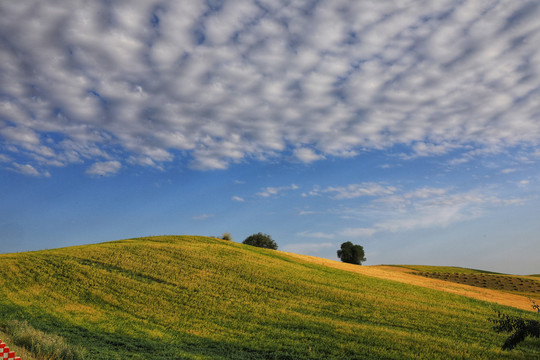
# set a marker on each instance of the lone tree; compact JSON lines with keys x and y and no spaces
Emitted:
{"x":261,"y":240}
{"x":352,"y":254}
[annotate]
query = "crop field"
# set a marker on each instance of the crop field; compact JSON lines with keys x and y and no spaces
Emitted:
{"x":408,"y":274}
{"x":518,"y":284}
{"x":522,"y":285}
{"x":189,"y":297}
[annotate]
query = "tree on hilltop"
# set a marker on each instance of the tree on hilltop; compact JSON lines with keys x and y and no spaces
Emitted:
{"x":351,"y":253}
{"x":261,"y":240}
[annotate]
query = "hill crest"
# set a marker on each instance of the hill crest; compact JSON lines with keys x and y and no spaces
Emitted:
{"x":189,"y":297}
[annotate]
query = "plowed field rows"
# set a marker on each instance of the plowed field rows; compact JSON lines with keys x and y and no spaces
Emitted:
{"x":489,"y":281}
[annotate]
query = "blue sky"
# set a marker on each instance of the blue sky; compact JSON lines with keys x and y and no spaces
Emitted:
{"x":409,"y":127}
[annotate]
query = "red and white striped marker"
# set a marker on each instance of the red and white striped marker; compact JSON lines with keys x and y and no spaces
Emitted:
{"x":5,"y":353}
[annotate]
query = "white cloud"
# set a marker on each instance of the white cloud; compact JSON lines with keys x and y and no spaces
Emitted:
{"x":307,"y":212}
{"x":317,"y":235}
{"x":429,"y":149}
{"x":29,"y":170}
{"x":308,"y":248}
{"x":358,"y":232}
{"x":20,"y":135}
{"x":104,"y":168}
{"x":237,"y":198}
{"x":245,"y":81}
{"x":202,"y":217}
{"x":354,"y":190}
{"x":458,"y":161}
{"x":427,"y":208}
{"x":412,"y":197}
{"x":274,"y":191}
{"x":429,"y":217}
{"x":307,"y":155}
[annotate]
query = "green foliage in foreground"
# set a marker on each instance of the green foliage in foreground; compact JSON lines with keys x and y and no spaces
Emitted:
{"x":518,"y":327}
{"x":203,"y":298}
{"x":44,"y":345}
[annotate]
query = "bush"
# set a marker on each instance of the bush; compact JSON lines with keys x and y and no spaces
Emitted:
{"x":226,"y":236}
{"x":261,"y":240}
{"x":519,"y":327}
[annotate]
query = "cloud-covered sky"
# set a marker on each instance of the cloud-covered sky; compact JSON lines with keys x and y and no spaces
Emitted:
{"x":426,"y":112}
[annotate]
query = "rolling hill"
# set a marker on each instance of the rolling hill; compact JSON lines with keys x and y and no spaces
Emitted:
{"x":189,"y":297}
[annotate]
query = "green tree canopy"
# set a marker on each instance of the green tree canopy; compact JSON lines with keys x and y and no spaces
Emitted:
{"x":351,"y":253}
{"x":261,"y":240}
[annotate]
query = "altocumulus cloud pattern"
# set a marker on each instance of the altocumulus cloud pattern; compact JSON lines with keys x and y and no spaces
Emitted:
{"x":123,"y":83}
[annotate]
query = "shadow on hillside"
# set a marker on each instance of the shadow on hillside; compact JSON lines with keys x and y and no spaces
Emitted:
{"x":119,"y":346}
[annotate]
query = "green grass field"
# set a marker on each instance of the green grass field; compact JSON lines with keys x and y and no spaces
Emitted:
{"x":188,"y":297}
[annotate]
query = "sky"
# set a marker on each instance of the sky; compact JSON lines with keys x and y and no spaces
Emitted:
{"x":411,"y":128}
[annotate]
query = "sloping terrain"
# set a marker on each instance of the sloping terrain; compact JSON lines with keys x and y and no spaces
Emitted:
{"x":441,"y":278}
{"x":188,"y":297}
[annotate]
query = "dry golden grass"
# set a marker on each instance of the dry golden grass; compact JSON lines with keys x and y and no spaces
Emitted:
{"x":404,"y":275}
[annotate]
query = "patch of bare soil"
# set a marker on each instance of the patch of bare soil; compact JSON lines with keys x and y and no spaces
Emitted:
{"x":407,"y":276}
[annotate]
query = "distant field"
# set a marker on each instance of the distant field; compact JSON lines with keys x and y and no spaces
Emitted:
{"x":188,"y":297}
{"x":444,"y":269}
{"x":522,"y":285}
{"x":408,"y":275}
{"x":517,"y":284}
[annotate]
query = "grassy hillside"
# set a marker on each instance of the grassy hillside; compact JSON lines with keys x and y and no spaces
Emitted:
{"x":186,"y":297}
